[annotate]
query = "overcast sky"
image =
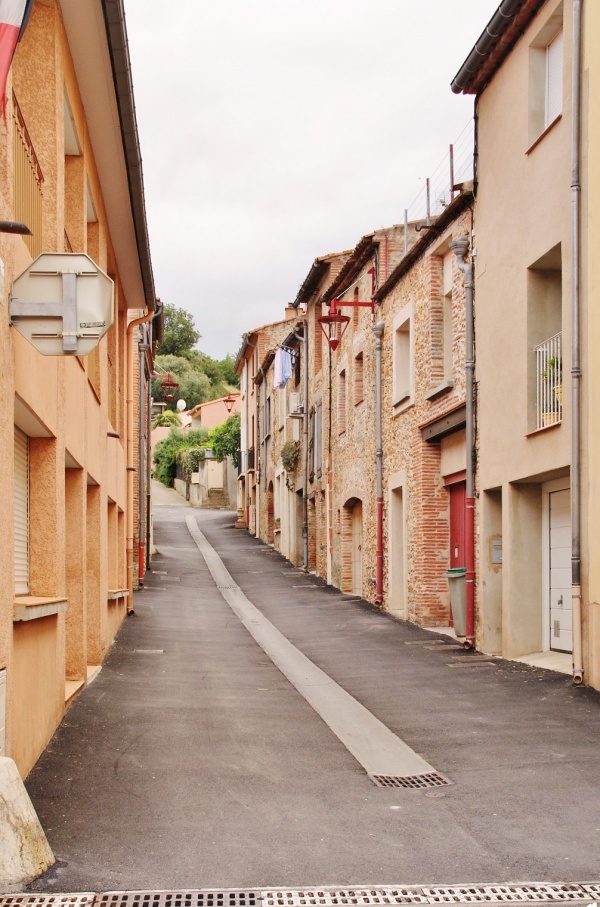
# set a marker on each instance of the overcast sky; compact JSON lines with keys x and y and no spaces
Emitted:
{"x":275,"y":131}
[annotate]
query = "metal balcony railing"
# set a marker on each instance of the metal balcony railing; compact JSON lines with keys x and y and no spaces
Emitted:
{"x":28,"y":181}
{"x":548,"y":370}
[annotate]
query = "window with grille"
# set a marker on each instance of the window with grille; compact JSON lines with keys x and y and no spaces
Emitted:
{"x":21,"y":517}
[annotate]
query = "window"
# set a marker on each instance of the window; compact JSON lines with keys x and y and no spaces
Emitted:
{"x":553,"y":79}
{"x":544,"y":341}
{"x":21,"y":531}
{"x":447,"y":351}
{"x":318,"y":338}
{"x":440,"y":324}
{"x":341,"y":402}
{"x":358,"y":379}
{"x":319,"y":438}
{"x":546,"y":76}
{"x":403,"y":355}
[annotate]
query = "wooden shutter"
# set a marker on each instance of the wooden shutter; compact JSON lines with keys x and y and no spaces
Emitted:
{"x":21,"y":522}
{"x":554,"y":78}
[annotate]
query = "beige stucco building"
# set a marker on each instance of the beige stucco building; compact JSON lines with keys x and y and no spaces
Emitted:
{"x":70,"y":444}
{"x":591,"y":284}
{"x":531,"y":306}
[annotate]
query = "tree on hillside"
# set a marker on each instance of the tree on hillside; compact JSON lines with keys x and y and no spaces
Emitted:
{"x":179,"y":333}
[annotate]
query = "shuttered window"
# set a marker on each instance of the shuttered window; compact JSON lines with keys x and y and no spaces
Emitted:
{"x":554,"y":78}
{"x":21,"y":513}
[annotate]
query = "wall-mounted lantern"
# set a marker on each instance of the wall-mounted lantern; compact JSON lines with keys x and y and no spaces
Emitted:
{"x":335,"y":324}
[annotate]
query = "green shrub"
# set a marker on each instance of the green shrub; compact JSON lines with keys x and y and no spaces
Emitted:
{"x":167,"y":450}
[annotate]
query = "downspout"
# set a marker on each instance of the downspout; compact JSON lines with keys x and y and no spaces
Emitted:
{"x":142,"y":347}
{"x":304,"y":338}
{"x":378,"y":329}
{"x":460,"y":247}
{"x":148,"y":473}
{"x":130,"y":459}
{"x":575,"y":344}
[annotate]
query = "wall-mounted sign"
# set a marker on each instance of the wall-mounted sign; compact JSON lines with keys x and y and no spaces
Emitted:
{"x":63,"y":303}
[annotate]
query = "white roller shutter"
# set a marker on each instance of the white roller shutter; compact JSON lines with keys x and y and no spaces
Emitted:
{"x":554,"y":78}
{"x":21,"y":513}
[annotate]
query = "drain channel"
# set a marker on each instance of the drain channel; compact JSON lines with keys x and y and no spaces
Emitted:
{"x":586,"y":894}
{"x":228,"y":898}
{"x":413,"y":782}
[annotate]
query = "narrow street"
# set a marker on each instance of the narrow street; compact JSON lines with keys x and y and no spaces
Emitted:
{"x":193,"y":762}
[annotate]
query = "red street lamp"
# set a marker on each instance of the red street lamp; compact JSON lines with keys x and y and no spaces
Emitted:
{"x":229,"y":401}
{"x":335,"y":324}
{"x":168,"y":385}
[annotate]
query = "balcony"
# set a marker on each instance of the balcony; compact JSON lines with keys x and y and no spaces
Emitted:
{"x":549,"y":388}
{"x":28,"y":182}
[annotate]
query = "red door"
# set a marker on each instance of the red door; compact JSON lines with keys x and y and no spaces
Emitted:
{"x":457,"y":524}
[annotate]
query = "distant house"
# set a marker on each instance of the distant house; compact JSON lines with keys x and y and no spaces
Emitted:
{"x":214,"y":412}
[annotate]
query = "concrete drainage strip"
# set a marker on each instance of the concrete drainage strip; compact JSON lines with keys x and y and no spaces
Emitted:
{"x":585,"y":894}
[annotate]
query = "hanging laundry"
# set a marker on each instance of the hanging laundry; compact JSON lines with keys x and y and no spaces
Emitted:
{"x":278,"y":369}
{"x":282,"y":367}
{"x":286,"y":364}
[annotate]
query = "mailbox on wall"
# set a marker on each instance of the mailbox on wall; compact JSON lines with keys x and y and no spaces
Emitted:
{"x":63,"y":303}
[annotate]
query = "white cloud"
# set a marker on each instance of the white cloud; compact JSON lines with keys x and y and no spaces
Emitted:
{"x":273,"y":132}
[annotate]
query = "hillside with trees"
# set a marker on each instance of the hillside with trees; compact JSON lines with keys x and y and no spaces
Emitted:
{"x":199,"y":377}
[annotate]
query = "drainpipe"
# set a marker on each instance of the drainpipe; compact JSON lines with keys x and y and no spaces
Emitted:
{"x":130,"y":459}
{"x":575,"y":344}
{"x":304,"y":338}
{"x":142,"y":347}
{"x":378,"y":329}
{"x":460,"y":247}
{"x":148,"y":472}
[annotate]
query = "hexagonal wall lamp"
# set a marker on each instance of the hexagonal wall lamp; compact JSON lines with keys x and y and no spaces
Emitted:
{"x":334,"y":325}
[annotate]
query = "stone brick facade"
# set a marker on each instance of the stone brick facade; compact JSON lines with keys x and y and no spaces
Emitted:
{"x":419,"y":466}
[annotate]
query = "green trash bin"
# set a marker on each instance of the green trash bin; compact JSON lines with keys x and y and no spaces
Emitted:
{"x":457,"y":583}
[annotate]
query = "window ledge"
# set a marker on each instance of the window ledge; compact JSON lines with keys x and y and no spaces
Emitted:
{"x":112,"y":594}
{"x":400,"y":406}
{"x":543,"y":428}
{"x":543,"y":134}
{"x":32,"y":607}
{"x":440,"y":390}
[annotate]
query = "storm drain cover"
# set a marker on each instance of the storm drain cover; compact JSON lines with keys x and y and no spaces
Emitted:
{"x":229,"y":898}
{"x":451,"y":894}
{"x":47,"y":900}
{"x":413,"y":782}
{"x":314,"y":897}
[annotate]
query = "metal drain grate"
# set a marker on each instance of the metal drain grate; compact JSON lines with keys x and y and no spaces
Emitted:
{"x":413,"y":782}
{"x":335,"y":896}
{"x":454,"y":894}
{"x":47,"y":900}
{"x":228,"y":898}
{"x":503,"y":893}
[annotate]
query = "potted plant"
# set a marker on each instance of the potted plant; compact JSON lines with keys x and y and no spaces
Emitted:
{"x":290,"y":454}
{"x":553,"y":374}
